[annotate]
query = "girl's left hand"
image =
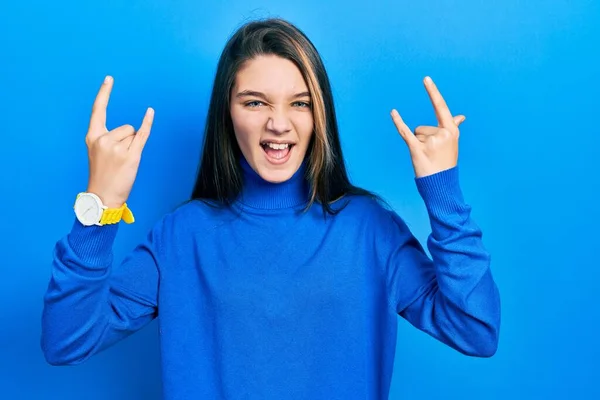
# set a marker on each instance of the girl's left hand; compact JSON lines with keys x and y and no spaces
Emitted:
{"x":432,"y":149}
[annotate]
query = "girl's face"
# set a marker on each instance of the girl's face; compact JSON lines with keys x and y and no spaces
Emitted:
{"x":272,"y":117}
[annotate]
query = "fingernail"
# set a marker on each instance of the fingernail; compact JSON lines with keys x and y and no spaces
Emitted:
{"x":428,"y":79}
{"x":107,"y":79}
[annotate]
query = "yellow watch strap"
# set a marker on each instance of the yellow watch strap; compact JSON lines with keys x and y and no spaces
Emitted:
{"x":114,"y":215}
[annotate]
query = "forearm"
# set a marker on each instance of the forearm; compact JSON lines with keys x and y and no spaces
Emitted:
{"x":82,"y":312}
{"x":462,"y":303}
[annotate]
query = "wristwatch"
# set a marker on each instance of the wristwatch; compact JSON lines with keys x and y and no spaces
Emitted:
{"x":89,"y":210}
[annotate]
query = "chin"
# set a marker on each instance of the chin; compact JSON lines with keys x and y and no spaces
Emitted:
{"x":278,"y":174}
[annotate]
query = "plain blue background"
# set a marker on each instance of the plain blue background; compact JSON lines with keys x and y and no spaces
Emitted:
{"x":525,"y":73}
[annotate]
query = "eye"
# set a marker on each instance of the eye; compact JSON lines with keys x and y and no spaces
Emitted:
{"x":302,"y":104}
{"x":253,"y":104}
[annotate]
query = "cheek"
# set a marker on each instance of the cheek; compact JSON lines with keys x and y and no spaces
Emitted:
{"x":304,"y":127}
{"x":247,"y":127}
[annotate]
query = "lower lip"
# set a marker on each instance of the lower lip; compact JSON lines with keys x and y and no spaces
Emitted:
{"x":278,"y":161}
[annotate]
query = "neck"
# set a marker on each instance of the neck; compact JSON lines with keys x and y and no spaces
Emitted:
{"x":261,"y":194}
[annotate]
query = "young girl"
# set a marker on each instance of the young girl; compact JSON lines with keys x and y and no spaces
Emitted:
{"x":278,"y":278}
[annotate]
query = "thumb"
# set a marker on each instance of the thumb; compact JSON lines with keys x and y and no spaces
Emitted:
{"x":459,"y":119}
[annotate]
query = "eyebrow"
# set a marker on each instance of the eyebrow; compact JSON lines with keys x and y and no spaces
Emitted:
{"x":254,"y":93}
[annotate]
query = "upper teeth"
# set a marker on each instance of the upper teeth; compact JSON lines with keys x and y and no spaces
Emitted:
{"x":278,"y":146}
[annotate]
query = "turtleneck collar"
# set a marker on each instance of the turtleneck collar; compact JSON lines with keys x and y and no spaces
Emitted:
{"x":261,"y":194}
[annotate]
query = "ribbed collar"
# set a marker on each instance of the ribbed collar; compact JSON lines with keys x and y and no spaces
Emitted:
{"x":261,"y":194}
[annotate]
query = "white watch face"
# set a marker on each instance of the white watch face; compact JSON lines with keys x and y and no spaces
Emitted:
{"x":87,"y":210}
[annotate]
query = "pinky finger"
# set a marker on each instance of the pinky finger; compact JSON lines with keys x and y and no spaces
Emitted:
{"x":141,"y":137}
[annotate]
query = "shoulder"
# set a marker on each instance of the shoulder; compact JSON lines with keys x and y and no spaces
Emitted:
{"x":191,"y":217}
{"x":371,"y":211}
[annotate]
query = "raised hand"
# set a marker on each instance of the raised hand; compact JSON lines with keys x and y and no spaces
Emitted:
{"x":432,"y":148}
{"x":114,"y":156}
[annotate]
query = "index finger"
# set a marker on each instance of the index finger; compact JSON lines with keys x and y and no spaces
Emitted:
{"x":98,"y":118}
{"x":442,"y":111}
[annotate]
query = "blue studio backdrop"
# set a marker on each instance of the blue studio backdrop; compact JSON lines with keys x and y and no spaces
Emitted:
{"x":525,"y":74}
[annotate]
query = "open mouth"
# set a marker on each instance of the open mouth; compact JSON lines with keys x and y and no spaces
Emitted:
{"x":277,"y":153}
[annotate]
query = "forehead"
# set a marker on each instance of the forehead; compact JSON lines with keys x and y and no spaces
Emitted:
{"x":270,"y":74}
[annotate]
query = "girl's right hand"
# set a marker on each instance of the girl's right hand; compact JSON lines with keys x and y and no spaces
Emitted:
{"x":114,"y":156}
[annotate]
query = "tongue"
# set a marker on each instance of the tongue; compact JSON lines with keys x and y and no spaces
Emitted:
{"x":277,"y":154}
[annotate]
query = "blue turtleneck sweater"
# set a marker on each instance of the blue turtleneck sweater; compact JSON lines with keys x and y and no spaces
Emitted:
{"x":264,"y":301}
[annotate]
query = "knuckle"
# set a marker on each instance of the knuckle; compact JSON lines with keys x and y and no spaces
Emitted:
{"x":445,"y":133}
{"x":90,"y":137}
{"x":104,"y":142}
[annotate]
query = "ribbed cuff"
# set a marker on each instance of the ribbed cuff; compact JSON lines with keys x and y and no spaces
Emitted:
{"x":93,"y":244}
{"x":441,"y":192}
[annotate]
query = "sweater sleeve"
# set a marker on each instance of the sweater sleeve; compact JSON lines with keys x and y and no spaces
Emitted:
{"x":90,"y":303}
{"x":451,"y":296}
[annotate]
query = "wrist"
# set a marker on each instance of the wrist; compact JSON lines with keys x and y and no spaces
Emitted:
{"x":107,"y":200}
{"x":441,"y":191}
{"x":90,"y":209}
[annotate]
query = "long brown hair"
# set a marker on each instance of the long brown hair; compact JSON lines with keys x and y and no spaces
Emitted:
{"x":220,"y":176}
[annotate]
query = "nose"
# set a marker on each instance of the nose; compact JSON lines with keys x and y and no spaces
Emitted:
{"x":279,"y":122}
